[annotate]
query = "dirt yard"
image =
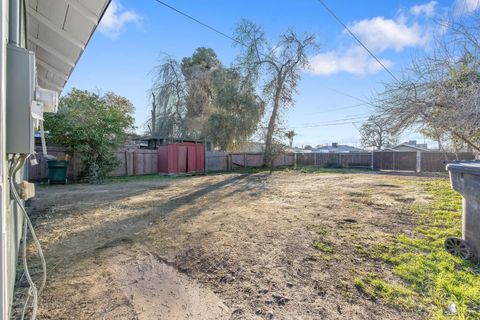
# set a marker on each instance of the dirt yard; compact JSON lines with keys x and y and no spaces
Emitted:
{"x":232,"y":246}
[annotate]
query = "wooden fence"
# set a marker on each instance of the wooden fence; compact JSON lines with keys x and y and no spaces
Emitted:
{"x":142,"y":161}
{"x":435,"y":161}
{"x":39,"y":172}
{"x":133,"y":162}
{"x":416,"y":161}
{"x":346,"y":160}
{"x":395,"y":160}
{"x":224,"y":161}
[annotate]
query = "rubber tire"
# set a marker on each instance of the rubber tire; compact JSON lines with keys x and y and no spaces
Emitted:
{"x":459,"y":248}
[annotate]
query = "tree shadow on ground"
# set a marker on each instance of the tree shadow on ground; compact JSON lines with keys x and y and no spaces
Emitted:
{"x":86,"y":242}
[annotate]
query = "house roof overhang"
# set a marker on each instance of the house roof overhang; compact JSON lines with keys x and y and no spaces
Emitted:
{"x":58,"y":32}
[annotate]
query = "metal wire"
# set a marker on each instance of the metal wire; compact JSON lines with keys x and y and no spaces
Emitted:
{"x":33,"y":292}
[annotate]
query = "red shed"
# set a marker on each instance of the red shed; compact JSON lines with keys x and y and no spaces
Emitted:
{"x":184,"y":157}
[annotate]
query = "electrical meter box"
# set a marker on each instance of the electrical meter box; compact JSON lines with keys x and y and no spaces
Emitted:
{"x":20,"y":87}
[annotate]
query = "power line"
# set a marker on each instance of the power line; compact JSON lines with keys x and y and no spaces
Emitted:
{"x":353,"y":97}
{"x":329,"y":124}
{"x":351,"y":117}
{"x":322,"y":2}
{"x":339,"y":108}
{"x":199,"y":22}
{"x":223,"y":34}
{"x":320,"y":124}
{"x":333,"y":123}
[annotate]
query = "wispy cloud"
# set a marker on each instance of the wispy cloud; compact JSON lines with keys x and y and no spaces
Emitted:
{"x":462,"y":7}
{"x":427,"y":9}
{"x":115,"y":20}
{"x":355,"y":60}
{"x":379,"y":34}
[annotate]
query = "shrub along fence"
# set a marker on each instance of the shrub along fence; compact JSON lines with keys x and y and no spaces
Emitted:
{"x":133,"y":162}
{"x":142,"y":161}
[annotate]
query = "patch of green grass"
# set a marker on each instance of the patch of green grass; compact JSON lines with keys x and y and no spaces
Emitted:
{"x":320,"y":230}
{"x":393,"y":293}
{"x":322,"y":246}
{"x":430,"y":276}
{"x":327,"y":257}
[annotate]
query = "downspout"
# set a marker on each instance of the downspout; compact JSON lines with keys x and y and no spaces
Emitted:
{"x":4,"y":261}
{"x":14,"y":20}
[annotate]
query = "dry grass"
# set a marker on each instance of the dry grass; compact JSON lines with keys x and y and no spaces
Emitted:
{"x":286,"y":245}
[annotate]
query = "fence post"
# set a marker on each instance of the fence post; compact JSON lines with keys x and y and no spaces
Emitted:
{"x":314,"y":159}
{"x":295,"y":161}
{"x":205,"y":157}
{"x":393,"y":161}
{"x":134,"y":164}
{"x":126,"y":163}
{"x":419,"y":161}
{"x":245,"y":160}
{"x":372,"y":161}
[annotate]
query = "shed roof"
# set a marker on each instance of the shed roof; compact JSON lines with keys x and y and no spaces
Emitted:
{"x":58,"y":31}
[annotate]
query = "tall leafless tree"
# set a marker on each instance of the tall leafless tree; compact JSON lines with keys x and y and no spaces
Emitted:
{"x":277,"y":66}
{"x":169,"y":97}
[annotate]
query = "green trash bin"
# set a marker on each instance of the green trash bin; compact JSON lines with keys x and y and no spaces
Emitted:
{"x":57,"y":171}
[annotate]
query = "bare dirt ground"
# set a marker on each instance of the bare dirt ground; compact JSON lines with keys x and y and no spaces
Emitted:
{"x":285,"y":245}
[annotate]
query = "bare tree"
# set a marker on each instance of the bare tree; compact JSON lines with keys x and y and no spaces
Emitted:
{"x":168,"y":98}
{"x":375,"y":134}
{"x":278,"y":66}
{"x":440,"y":93}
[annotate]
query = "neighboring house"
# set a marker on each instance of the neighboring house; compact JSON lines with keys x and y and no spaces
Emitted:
{"x":298,"y":150}
{"x":411,"y":145}
{"x":337,"y":148}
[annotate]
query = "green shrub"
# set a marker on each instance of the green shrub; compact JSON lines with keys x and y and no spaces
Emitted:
{"x":94,"y":126}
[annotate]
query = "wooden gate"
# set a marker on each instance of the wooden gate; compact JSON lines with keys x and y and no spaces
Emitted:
{"x":395,"y":160}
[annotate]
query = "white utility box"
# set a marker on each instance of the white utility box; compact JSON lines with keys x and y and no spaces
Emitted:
{"x":49,"y":98}
{"x":20,"y":93}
